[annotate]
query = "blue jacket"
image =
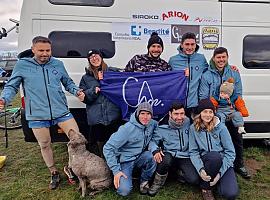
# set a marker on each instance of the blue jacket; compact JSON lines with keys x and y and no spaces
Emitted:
{"x":42,"y":87}
{"x":99,"y":109}
{"x":197,"y":64}
{"x":128,"y":143}
{"x":212,"y":79}
{"x":175,"y":141}
{"x":202,"y":142}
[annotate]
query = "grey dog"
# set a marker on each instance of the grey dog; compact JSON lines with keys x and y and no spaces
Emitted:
{"x":88,"y":167}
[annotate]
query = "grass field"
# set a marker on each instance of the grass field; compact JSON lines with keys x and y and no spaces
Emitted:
{"x":25,"y":176}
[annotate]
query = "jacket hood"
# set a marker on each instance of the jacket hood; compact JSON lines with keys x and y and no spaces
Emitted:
{"x":33,"y":61}
{"x":218,"y":122}
{"x":180,"y":49}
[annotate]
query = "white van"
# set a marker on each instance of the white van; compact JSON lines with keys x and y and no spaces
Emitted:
{"x":123,"y":27}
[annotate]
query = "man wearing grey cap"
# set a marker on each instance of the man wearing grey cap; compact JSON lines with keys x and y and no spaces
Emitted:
{"x":128,"y":149}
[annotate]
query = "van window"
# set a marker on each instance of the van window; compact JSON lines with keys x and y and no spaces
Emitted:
{"x":256,"y":51}
{"x":74,"y":44}
{"x":98,"y":3}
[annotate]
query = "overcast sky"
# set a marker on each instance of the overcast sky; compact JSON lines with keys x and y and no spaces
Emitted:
{"x":9,"y":9}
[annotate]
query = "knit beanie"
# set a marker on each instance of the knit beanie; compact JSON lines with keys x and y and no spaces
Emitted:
{"x":94,"y":51}
{"x":144,"y":106}
{"x":227,"y":87}
{"x":154,"y":39}
{"x":205,"y":104}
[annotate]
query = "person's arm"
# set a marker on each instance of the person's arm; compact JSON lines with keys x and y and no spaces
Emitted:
{"x":12,"y":86}
{"x":237,"y":84}
{"x":153,"y":145}
{"x":204,"y":87}
{"x":112,"y":146}
{"x":194,"y":151}
{"x":228,"y":149}
{"x":90,"y":92}
{"x":130,"y":66}
{"x":68,"y":82}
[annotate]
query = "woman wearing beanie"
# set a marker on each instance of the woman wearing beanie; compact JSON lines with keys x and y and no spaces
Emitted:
{"x":103,"y":116}
{"x":212,"y":153}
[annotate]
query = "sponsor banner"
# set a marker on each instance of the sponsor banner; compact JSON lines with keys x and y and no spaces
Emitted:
{"x":139,"y":31}
{"x":177,"y":32}
{"x":210,"y":37}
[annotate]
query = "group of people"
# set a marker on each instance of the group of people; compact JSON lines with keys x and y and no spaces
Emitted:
{"x":192,"y":136}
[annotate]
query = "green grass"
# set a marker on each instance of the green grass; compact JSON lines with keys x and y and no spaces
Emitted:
{"x":25,"y":176}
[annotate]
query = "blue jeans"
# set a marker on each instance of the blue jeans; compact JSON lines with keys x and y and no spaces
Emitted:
{"x":145,"y":162}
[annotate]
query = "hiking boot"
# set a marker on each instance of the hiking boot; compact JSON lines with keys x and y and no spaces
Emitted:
{"x":242,"y":171}
{"x":70,"y":174}
{"x":55,"y":180}
{"x":144,"y":187}
{"x":208,"y":195}
{"x":158,"y":182}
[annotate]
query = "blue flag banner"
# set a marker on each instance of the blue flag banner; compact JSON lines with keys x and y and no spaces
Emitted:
{"x":129,"y":89}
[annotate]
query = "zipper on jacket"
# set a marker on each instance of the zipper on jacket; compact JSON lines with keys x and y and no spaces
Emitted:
{"x":210,"y":140}
{"x":188,"y":81}
{"x":183,"y":139}
{"x":48,"y":76}
{"x":47,"y":91}
{"x":207,"y":141}
{"x":30,"y":108}
{"x":144,"y":139}
{"x":180,"y":140}
{"x":190,"y":73}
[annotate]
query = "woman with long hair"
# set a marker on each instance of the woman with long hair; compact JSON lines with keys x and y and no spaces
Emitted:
{"x":103,"y":116}
{"x":212,"y":153}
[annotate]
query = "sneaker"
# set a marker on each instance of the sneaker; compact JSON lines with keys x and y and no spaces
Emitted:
{"x":241,"y":130}
{"x":208,"y":195}
{"x":144,"y":187}
{"x":70,"y":175}
{"x":242,"y":171}
{"x":55,"y":180}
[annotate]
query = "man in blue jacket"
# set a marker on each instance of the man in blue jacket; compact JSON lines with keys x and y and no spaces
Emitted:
{"x":42,"y":78}
{"x":219,"y":72}
{"x":194,"y":65}
{"x":128,"y":149}
{"x":173,"y":137}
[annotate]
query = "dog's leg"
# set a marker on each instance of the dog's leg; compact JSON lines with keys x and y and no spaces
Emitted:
{"x":83,"y":185}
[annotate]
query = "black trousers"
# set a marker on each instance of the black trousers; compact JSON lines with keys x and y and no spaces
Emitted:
{"x":237,"y":140}
{"x":184,"y":164}
{"x":102,"y":133}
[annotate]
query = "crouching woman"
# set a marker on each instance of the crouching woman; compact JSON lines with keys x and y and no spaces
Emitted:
{"x":212,"y":153}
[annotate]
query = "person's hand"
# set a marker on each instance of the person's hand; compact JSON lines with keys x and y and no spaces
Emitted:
{"x":116,"y":179}
{"x":204,"y":175}
{"x":234,"y":68}
{"x":97,"y":90}
{"x":216,"y":179}
{"x":80,"y":95}
{"x":187,"y":72}
{"x":100,"y":75}
{"x":158,"y":156}
{"x":2,"y":104}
